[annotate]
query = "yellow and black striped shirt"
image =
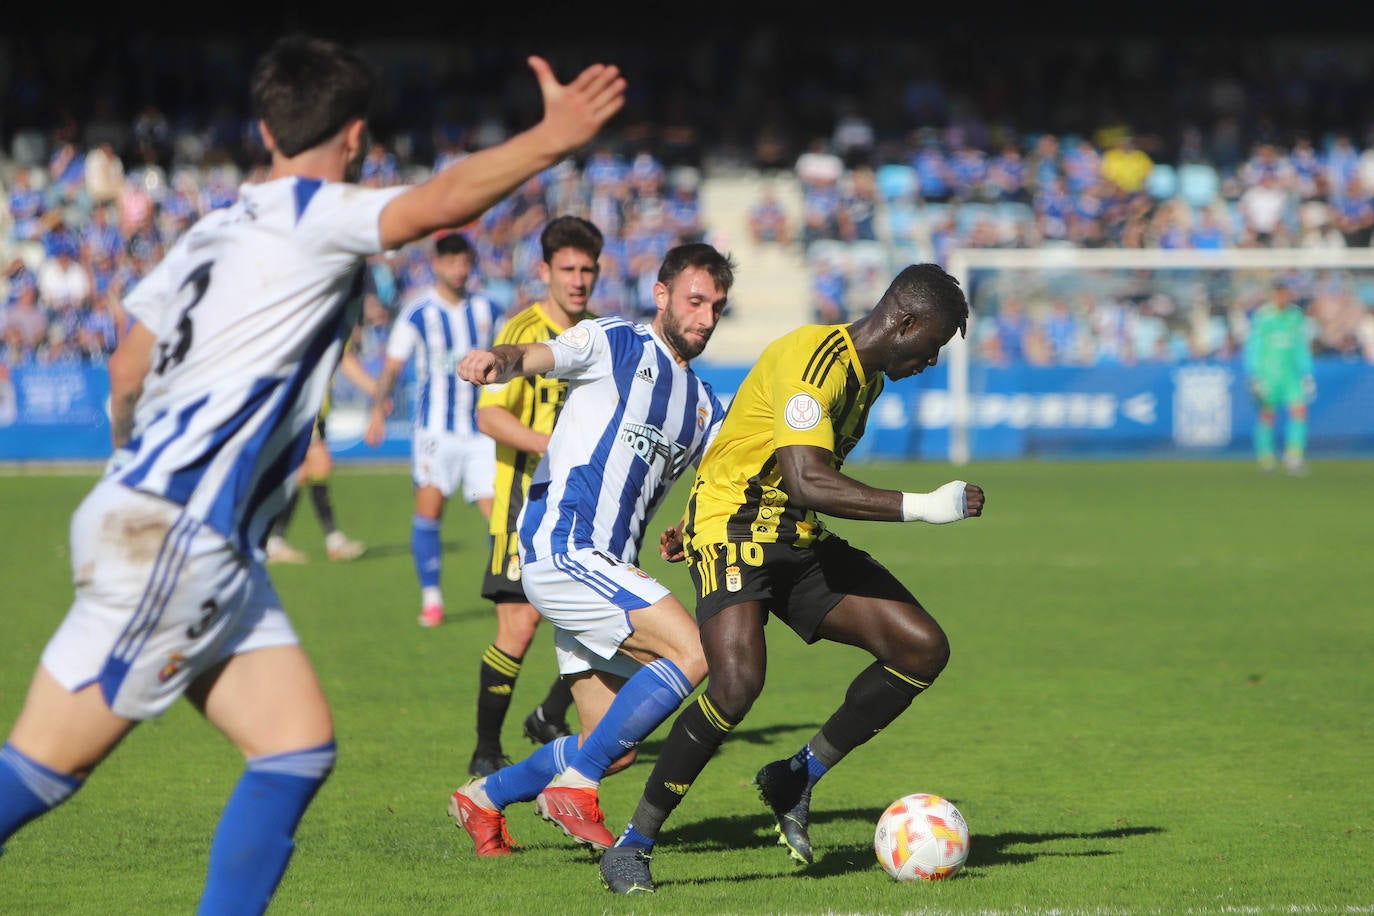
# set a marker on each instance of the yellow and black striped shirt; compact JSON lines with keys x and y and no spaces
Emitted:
{"x":535,"y":402}
{"x":807,"y":388}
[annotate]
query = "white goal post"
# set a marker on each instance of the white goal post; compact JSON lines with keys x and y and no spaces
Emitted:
{"x":963,"y":262}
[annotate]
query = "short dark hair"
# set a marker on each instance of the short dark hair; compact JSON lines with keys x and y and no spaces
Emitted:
{"x":571,"y":232}
{"x":452,"y":243}
{"x":720,"y":267}
{"x":929,"y":289}
{"x":306,"y":89}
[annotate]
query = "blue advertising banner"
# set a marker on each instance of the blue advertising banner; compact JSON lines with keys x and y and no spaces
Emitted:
{"x":60,"y":413}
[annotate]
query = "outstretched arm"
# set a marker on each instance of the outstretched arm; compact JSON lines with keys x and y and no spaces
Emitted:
{"x":382,"y":403}
{"x":504,"y":362}
{"x":811,"y":482}
{"x":354,"y":370}
{"x":573,"y":114}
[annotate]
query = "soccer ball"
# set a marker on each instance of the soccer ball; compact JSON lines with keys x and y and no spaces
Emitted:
{"x":921,"y":837}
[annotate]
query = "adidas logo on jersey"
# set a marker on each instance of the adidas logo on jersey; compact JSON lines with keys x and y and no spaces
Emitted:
{"x":645,"y":375}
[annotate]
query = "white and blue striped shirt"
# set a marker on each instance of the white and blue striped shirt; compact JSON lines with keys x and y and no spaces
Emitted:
{"x":250,"y":308}
{"x":634,"y":420}
{"x":439,"y":334}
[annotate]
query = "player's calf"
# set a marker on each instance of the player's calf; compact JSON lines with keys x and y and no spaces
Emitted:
{"x":28,"y":790}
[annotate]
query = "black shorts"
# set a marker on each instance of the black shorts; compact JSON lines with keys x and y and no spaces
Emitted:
{"x":798,"y":585}
{"x":501,"y":583}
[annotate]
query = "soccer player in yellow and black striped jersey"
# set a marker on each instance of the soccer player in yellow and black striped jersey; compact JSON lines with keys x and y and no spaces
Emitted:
{"x":520,"y":416}
{"x":756,"y":545}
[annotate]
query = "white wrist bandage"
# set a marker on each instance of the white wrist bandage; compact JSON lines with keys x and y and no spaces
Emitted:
{"x":947,"y":504}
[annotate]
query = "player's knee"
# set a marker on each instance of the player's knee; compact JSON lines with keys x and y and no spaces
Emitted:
{"x":733,"y":691}
{"x":518,"y":634}
{"x":515,"y":626}
{"x":925,"y":652}
{"x":689,"y":659}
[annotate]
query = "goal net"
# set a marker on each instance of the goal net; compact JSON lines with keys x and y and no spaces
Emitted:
{"x":1115,"y":352}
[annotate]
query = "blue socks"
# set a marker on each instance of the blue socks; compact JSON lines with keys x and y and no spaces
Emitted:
{"x":632,"y":837}
{"x":642,"y":704}
{"x":426,"y":549}
{"x":254,"y":840}
{"x":525,"y":780}
{"x":814,"y":768}
{"x":28,"y":789}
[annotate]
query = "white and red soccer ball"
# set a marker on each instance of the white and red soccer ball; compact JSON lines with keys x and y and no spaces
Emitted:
{"x":921,"y":837}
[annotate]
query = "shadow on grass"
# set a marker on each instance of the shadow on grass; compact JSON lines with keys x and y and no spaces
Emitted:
{"x":758,"y":736}
{"x":752,"y":831}
{"x":379,"y":551}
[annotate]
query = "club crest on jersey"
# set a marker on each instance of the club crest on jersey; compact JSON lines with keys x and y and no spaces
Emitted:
{"x":702,"y":415}
{"x":576,"y":337}
{"x":733,"y":581}
{"x":802,"y":412}
{"x":174,"y":662}
{"x":651,"y":445}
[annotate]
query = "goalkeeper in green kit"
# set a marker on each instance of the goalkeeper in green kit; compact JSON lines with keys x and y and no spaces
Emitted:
{"x":1278,"y":369}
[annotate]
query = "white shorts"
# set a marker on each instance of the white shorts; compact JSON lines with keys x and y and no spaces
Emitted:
{"x":160,"y":598}
{"x":588,"y":595}
{"x":445,"y":461}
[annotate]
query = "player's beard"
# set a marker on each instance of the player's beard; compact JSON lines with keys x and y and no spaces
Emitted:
{"x":682,"y":345}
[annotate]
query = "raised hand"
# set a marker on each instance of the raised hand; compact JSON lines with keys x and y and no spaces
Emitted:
{"x":574,"y":113}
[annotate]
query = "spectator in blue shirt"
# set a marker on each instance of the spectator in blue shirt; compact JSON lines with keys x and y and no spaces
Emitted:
{"x":27,"y":207}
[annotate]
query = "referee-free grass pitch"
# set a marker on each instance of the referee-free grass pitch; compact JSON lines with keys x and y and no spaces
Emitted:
{"x":1158,"y":701}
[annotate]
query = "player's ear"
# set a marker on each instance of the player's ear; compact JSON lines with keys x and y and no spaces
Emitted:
{"x":355,"y":136}
{"x":269,"y":142}
{"x":660,"y":295}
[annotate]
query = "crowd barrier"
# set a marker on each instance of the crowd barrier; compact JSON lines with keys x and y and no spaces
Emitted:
{"x":60,"y":413}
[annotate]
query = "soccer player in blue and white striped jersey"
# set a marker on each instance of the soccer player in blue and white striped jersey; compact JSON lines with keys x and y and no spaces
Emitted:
{"x":636,"y":418}
{"x":438,"y":325}
{"x":214,"y":391}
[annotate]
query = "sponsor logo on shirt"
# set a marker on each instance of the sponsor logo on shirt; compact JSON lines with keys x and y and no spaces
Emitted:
{"x":651,"y":445}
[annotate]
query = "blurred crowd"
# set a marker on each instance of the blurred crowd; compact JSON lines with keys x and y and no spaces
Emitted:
{"x":80,"y":230}
{"x":903,"y":149}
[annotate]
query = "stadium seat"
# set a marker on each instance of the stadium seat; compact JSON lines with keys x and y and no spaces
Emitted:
{"x":828,"y":251}
{"x":1198,"y":183}
{"x":29,"y":148}
{"x":896,"y":181}
{"x":970,"y":214}
{"x":1162,"y":182}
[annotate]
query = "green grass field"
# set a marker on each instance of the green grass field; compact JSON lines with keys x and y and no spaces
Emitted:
{"x":1159,"y":701}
